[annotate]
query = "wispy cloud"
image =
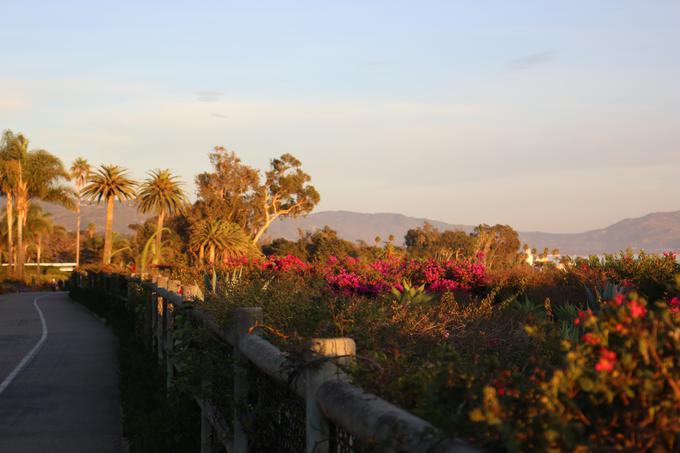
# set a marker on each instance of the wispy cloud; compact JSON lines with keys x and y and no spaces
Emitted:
{"x":208,"y":96}
{"x":531,"y":60}
{"x":219,"y":115}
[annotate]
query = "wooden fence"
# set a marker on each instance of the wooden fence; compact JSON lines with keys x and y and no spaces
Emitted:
{"x":321,"y":412}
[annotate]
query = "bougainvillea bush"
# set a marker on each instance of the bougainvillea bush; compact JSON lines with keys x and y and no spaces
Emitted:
{"x":478,"y":358}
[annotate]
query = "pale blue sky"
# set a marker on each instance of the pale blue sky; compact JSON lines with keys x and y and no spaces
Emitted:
{"x":558,"y":116}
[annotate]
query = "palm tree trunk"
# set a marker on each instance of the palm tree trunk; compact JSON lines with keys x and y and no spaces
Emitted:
{"x":159,"y":235}
{"x":38,"y":255}
{"x":212,"y":254}
{"x":22,"y":201}
{"x":10,"y":226}
{"x":20,"y":244}
{"x":108,"y":232}
{"x":78,"y":232}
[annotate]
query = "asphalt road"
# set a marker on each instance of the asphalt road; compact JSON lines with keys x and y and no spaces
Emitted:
{"x":65,"y":398}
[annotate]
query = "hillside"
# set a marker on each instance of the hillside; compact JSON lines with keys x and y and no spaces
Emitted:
{"x":655,"y":232}
{"x":355,"y":226}
{"x":124,"y":215}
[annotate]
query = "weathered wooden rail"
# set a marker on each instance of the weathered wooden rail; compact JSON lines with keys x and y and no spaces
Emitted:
{"x":338,"y":416}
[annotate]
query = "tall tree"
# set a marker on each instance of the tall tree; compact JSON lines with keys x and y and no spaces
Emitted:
{"x":9,"y":173}
{"x":234,"y":192}
{"x":227,"y":193}
{"x":499,"y":245}
{"x":91,"y":230}
{"x":163,"y":194}
{"x":79,"y":172}
{"x":109,"y":182}
{"x":37,"y":174}
{"x":286,"y":192}
{"x":39,"y":225}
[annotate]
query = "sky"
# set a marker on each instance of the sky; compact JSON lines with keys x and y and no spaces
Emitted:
{"x":559,"y":116}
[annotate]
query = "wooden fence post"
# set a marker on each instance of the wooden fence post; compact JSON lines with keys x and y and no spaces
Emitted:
{"x":161,"y":304}
{"x":244,"y":320}
{"x":128,"y":288}
{"x":148,"y":317}
{"x":318,"y":371}
{"x":174,"y":286}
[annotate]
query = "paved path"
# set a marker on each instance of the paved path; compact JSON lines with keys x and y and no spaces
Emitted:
{"x":65,"y":399}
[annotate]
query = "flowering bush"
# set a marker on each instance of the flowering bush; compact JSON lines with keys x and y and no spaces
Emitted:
{"x":372,"y":278}
{"x":502,"y":370}
{"x":619,"y":387}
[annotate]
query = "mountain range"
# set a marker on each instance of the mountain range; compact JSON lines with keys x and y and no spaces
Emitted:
{"x":656,"y":232}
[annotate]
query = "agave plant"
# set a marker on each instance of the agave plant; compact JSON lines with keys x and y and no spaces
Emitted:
{"x":599,"y":293}
{"x":412,"y":294}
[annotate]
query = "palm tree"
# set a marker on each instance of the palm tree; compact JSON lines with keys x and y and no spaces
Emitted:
{"x":80,"y":170}
{"x":42,"y":177}
{"x":218,"y":236}
{"x":39,"y":225}
{"x":162,"y":193}
{"x":34,"y":174}
{"x":109,"y":182}
{"x":9,"y":172}
{"x":91,"y":230}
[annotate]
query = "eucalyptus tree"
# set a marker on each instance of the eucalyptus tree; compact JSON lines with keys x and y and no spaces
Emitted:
{"x":218,"y":236}
{"x":109,"y":182}
{"x":163,"y":194}
{"x":237,"y":193}
{"x":79,"y":172}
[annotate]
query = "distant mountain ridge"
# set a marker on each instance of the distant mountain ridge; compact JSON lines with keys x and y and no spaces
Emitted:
{"x":656,"y":232}
{"x":124,"y":214}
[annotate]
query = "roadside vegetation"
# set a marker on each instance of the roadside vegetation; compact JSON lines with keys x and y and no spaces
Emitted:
{"x":559,"y":355}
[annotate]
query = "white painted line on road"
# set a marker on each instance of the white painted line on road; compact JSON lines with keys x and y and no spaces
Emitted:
{"x":32,"y":353}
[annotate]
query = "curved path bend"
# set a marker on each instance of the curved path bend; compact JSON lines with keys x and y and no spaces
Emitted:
{"x":58,"y":377}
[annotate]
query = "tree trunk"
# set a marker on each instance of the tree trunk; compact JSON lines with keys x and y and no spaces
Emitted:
{"x":22,"y":210}
{"x":159,"y":237}
{"x":10,"y":227}
{"x":20,"y":244}
{"x":38,"y":255}
{"x":212,"y":254}
{"x":108,"y":232}
{"x":78,"y":232}
{"x":264,"y":228}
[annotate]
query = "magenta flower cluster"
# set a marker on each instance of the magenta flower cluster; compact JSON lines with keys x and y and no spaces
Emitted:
{"x":357,"y":276}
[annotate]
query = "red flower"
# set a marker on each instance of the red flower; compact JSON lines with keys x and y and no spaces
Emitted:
{"x":582,"y":316}
{"x":590,"y":339}
{"x":619,"y":327}
{"x":618,"y":299}
{"x":637,"y":310}
{"x":674,"y":304}
{"x":607,"y":360}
